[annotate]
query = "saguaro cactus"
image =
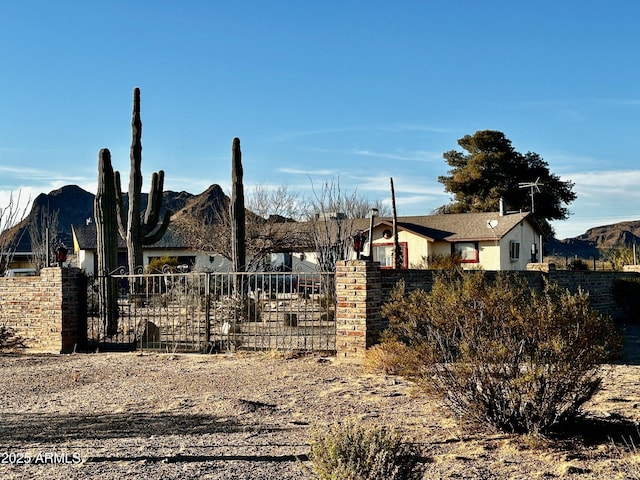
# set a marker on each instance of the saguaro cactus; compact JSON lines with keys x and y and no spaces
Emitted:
{"x":104,"y":212}
{"x":237,"y":209}
{"x":134,"y":229}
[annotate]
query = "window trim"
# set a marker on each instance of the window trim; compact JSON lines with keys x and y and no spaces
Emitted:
{"x":475,"y":259}
{"x":403,"y":247}
{"x":514,"y":245}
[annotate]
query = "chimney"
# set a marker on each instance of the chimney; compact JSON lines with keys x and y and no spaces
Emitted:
{"x":501,"y":207}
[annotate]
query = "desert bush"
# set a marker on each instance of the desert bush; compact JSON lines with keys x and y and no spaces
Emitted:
{"x":392,"y":357}
{"x":237,"y":308}
{"x":503,"y":353}
{"x":439,"y":262}
{"x":578,"y":264}
{"x":163,"y":264}
{"x":349,"y":451}
{"x":628,"y":461}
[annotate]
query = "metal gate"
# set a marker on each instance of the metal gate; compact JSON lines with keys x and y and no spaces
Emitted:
{"x":211,"y":312}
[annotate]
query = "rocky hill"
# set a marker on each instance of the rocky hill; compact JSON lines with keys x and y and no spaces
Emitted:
{"x":74,"y":206}
{"x":596,"y":239}
{"x":208,"y":205}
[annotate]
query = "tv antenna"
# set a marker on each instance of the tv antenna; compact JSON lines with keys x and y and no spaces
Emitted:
{"x":532,"y":185}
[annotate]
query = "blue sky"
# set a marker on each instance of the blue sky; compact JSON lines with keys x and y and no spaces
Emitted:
{"x":356,"y":90}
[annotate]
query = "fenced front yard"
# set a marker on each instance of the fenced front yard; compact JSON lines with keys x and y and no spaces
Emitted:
{"x":209,"y":312}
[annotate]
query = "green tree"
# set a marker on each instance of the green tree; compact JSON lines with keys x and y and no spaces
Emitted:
{"x":492,"y":169}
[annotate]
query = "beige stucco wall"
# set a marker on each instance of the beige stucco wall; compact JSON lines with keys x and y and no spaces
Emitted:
{"x":417,"y":247}
{"x":525,"y":234}
{"x":489,"y":255}
{"x":85,"y":261}
{"x":493,"y":254}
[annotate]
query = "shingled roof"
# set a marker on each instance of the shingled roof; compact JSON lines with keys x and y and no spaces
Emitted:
{"x":86,"y":236}
{"x":458,"y":227}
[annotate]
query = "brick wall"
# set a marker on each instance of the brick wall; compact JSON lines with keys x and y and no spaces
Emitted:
{"x":362,"y":287}
{"x":48,"y":312}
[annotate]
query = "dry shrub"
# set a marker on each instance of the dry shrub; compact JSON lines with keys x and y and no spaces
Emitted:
{"x":628,"y":461}
{"x":392,"y":357}
{"x":503,"y":353}
{"x":349,"y":451}
{"x":163,"y":264}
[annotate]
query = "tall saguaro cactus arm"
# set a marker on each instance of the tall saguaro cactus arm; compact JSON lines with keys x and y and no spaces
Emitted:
{"x":150,"y":230}
{"x":134,"y":243}
{"x":237,"y":209}
{"x":134,"y":229}
{"x":121,"y":213}
{"x":104,"y":211}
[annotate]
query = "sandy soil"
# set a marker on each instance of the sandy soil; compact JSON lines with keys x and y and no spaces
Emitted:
{"x":250,"y":416}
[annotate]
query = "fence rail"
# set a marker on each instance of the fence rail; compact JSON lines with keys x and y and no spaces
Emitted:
{"x":209,"y":312}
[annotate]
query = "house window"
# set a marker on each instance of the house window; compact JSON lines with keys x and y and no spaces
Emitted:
{"x":383,"y":253}
{"x":468,"y":251}
{"x":514,"y":250}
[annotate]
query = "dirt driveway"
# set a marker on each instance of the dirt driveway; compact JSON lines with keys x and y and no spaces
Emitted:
{"x":250,"y":416}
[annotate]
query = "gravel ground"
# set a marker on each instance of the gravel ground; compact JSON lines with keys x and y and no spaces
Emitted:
{"x":250,"y":416}
{"x":178,"y":416}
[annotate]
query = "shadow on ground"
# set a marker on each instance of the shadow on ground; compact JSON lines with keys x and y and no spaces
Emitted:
{"x":32,"y":427}
{"x":631,"y":348}
{"x":202,"y":458}
{"x":597,"y":431}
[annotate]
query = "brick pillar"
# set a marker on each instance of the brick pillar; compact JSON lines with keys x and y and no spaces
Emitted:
{"x":74,"y":310}
{"x":63,"y":324}
{"x":358,"y":319}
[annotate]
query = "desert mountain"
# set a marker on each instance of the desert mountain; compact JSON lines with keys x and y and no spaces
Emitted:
{"x":209,"y":205}
{"x":596,"y":239}
{"x":75,"y":207}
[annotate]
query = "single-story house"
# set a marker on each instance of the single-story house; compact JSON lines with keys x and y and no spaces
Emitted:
{"x":488,"y":241}
{"x":170,"y":245}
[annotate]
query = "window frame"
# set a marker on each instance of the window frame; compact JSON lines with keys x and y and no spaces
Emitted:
{"x":403,"y":247}
{"x":514,"y":245}
{"x":455,"y":251}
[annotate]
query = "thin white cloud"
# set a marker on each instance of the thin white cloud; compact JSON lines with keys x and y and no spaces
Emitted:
{"x":302,"y":171}
{"x":417,"y":156}
{"x":609,"y":186}
{"x":391,"y":128}
{"x":401,"y":185}
{"x":24,"y":172}
{"x":23,"y":196}
{"x":624,"y":102}
{"x":416,"y":204}
{"x":603,"y":198}
{"x":606,"y":178}
{"x":16,"y":175}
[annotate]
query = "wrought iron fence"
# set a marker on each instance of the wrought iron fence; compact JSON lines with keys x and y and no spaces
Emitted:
{"x":209,"y":312}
